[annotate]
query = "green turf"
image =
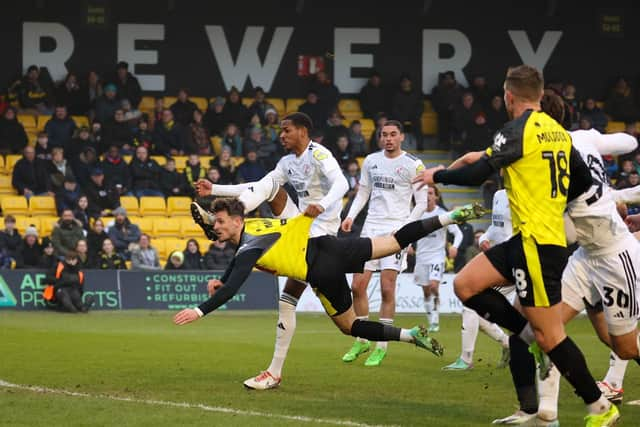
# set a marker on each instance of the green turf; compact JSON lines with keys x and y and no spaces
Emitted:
{"x":141,"y":355}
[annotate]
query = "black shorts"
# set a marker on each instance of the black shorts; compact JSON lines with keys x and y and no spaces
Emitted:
{"x":329,"y":259}
{"x":535,"y":269}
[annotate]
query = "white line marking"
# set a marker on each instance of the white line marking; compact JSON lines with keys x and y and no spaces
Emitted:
{"x":201,"y":406}
{"x":634,"y":402}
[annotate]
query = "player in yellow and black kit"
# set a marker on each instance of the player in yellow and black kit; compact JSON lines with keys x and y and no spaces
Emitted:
{"x":283,"y":247}
{"x":541,"y":172}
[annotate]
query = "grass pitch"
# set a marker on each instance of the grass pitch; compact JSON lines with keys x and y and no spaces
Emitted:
{"x":127,"y":367}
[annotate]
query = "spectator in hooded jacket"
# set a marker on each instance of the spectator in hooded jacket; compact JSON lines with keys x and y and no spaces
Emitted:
{"x":30,"y":175}
{"x":122,"y":233}
{"x":34,"y":94}
{"x":594,"y":114}
{"x":116,"y":170}
{"x":314,"y":109}
{"x":328,"y":93}
{"x":144,"y":256}
{"x":84,"y":164}
{"x":197,"y":136}
{"x":70,"y":94}
{"x":219,"y":256}
{"x":60,"y":128}
{"x":29,"y":252}
{"x":192,"y":256}
{"x":169,"y":135}
{"x":214,"y":118}
{"x":117,"y":131}
{"x":145,"y":175}
{"x":373,"y":97}
{"x":127,"y":84}
{"x":109,"y":259}
{"x":102,"y":198}
{"x":407,"y":106}
{"x":107,"y":103}
{"x":445,"y":97}
{"x":67,"y":281}
{"x":10,"y":238}
{"x":173,"y":182}
{"x":66,"y":233}
{"x":175,"y":261}
{"x":48,"y":259}
{"x":13,"y":137}
{"x":259,"y":105}
{"x":234,"y":111}
{"x":183,"y":108}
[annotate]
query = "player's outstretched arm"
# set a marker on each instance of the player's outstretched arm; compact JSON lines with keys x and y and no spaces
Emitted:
{"x":466,"y":159}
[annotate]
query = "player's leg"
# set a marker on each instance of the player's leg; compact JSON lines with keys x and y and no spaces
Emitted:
{"x":63,"y":298}
{"x":361,"y":307}
{"x":434,"y":296}
{"x":388,"y":277}
{"x":76,"y":299}
{"x":470,"y":326}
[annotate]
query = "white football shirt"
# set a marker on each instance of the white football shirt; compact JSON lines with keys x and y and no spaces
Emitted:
{"x":431,"y":248}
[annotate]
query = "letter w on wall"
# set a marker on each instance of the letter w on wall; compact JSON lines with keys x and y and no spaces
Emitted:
{"x":248,"y":64}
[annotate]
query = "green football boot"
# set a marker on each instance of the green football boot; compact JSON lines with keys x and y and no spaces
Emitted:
{"x":458,"y":365}
{"x":356,"y":350}
{"x":422,"y":339}
{"x":375,"y":359}
{"x":467,"y":212}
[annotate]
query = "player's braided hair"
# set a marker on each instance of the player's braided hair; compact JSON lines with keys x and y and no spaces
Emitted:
{"x":230,"y":205}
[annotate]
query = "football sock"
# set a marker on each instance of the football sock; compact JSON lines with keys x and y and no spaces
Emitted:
{"x":571,"y":363}
{"x":435,"y":313}
{"x":229,"y":190}
{"x":428,"y":306}
{"x":523,"y":373}
{"x":388,"y":322}
{"x":470,"y":324}
{"x":617,"y":368}
{"x":494,"y":307}
{"x":284,"y":332}
{"x":416,"y":230}
{"x":258,"y":192}
{"x":375,"y":331}
{"x":362,"y":340}
{"x":494,"y":331}
{"x":548,"y":391}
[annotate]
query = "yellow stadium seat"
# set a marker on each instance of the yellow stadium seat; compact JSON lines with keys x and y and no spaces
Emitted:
{"x":205,"y":160}
{"x":42,"y":205}
{"x":173,"y":244}
{"x":160,"y":160}
{"x":189,"y":228}
{"x":28,"y":121}
{"x":368,"y":127}
{"x":200,"y":102}
{"x":42,"y":121}
{"x":147,"y":103}
{"x":181,"y":162}
{"x":169,"y":100}
{"x":144,"y":223}
{"x":81,"y":121}
{"x":152,"y":206}
{"x":600,"y":105}
{"x":159,"y":245}
{"x":613,"y":127}
{"x":11,"y":161}
{"x":2,"y":164}
{"x":130,"y":203}
{"x":204,"y":244}
{"x":293,"y":104}
{"x":127,"y":158}
{"x":179,"y":206}
{"x":352,"y":115}
{"x":278,"y":103}
{"x":428,"y":107}
{"x":5,"y":185}
{"x":166,"y":227}
{"x":349,"y":106}
{"x":22,"y":222}
{"x":32,"y":136}
{"x":360,"y":160}
{"x":213,"y":99}
{"x":14,"y":205}
{"x":247,"y":102}
{"x":216,"y":142}
{"x":237,"y":160}
{"x":46,"y":225}
{"x":429,"y":123}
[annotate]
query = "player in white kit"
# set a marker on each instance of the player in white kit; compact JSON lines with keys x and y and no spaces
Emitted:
{"x":386,"y":183}
{"x":603,"y":269}
{"x":430,"y":259}
{"x":320,"y":185}
{"x":499,"y":231}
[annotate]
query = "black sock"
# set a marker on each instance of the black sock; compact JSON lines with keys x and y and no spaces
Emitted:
{"x":571,"y":363}
{"x":416,"y":230}
{"x":494,"y":307}
{"x":637,"y":359}
{"x":523,"y":373}
{"x":374,"y":331}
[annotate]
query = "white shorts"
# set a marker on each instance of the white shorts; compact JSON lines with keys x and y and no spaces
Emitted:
{"x":610,"y":279}
{"x":425,"y":273}
{"x":396,"y":262}
{"x":509,"y":291}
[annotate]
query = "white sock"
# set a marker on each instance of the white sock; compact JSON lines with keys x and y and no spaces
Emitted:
{"x":258,"y":192}
{"x":229,"y":190}
{"x":405,"y":335}
{"x":469,"y":334}
{"x":494,"y":331}
{"x":445,"y":219}
{"x":617,"y":368}
{"x":599,"y":406}
{"x":284,"y":332}
{"x":527,"y":334}
{"x":428,"y":307}
{"x":435,"y":313}
{"x":383,"y":344}
{"x":548,"y":391}
{"x":362,"y":340}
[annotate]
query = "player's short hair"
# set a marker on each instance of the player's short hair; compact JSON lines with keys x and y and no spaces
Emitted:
{"x":231,"y":205}
{"x":395,"y":123}
{"x":553,"y":105}
{"x":525,"y":82}
{"x":300,"y":120}
{"x":436,"y":190}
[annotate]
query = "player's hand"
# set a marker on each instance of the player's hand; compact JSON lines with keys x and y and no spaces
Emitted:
{"x":346,"y":225}
{"x":485,"y":245}
{"x":622,"y":209}
{"x":453,"y":252}
{"x":313,"y":210}
{"x":633,"y":222}
{"x":426,"y":176}
{"x":203,"y":187}
{"x":185,"y":316}
{"x":213,"y":285}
